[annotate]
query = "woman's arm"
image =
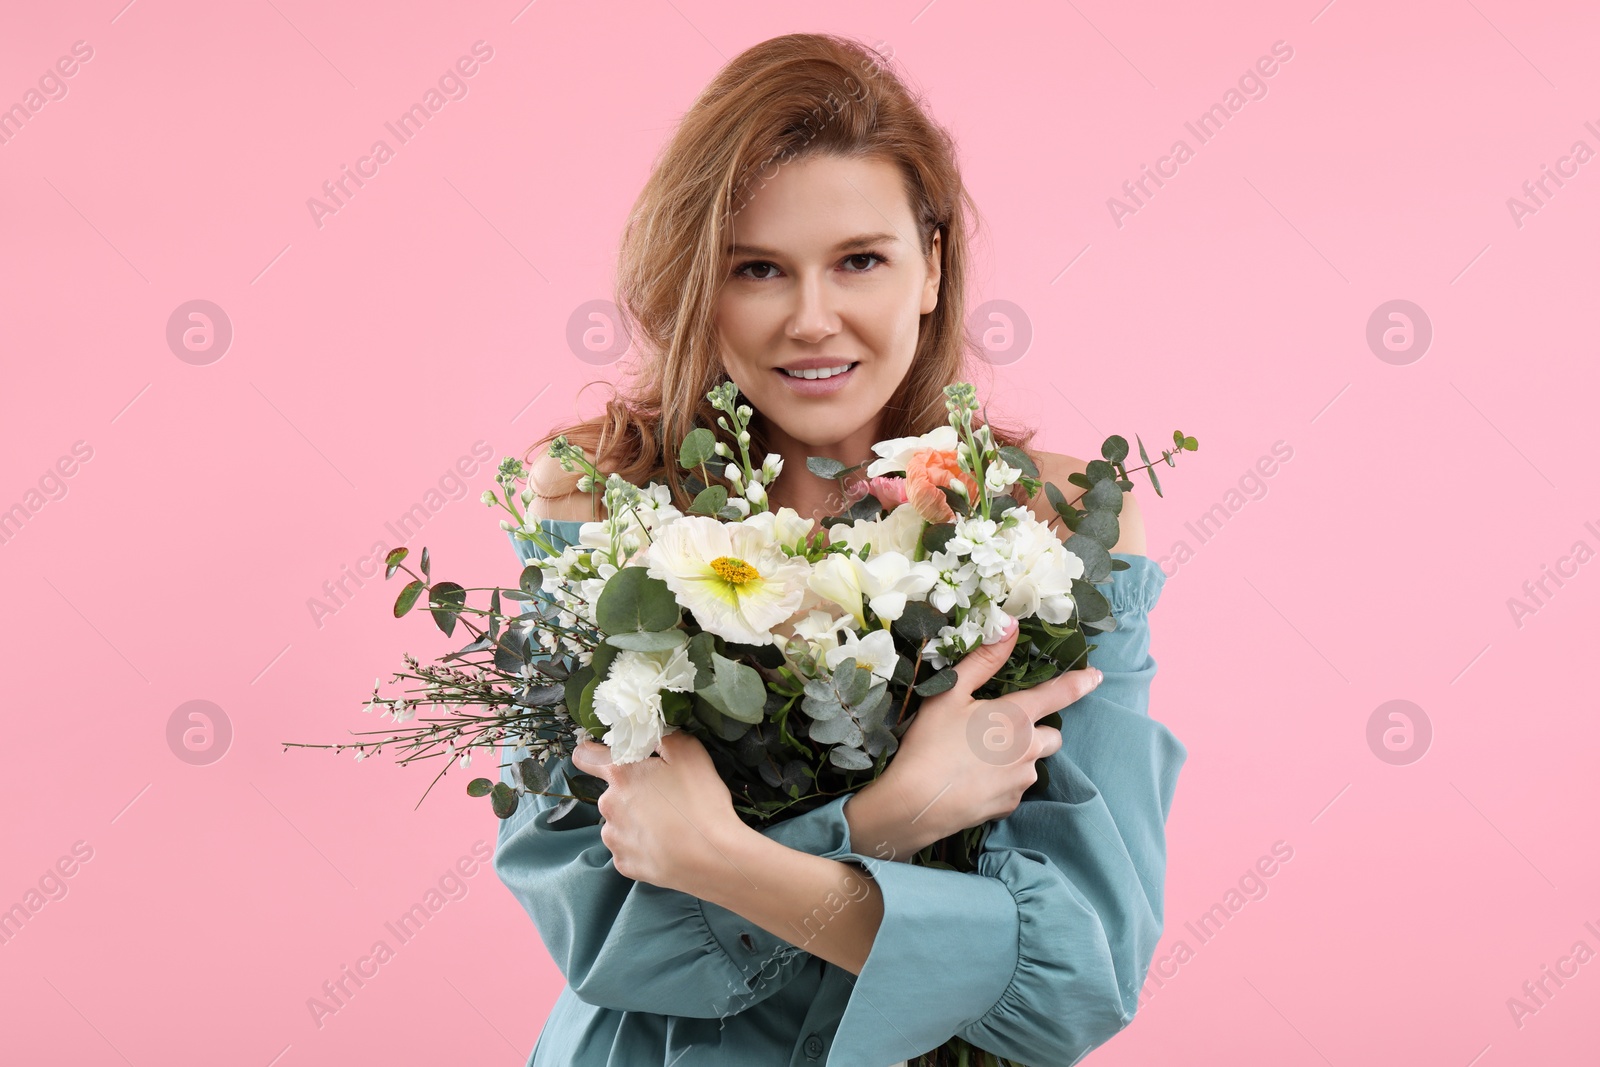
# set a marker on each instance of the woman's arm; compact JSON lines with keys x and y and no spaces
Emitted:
{"x":825,"y":907}
{"x":600,"y":927}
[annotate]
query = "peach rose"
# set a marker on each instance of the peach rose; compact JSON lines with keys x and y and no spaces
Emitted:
{"x":929,"y":471}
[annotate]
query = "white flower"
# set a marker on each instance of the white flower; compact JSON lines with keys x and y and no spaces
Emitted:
{"x":628,"y":701}
{"x":785,"y":526}
{"x":897,"y":452}
{"x":734,"y":577}
{"x":1044,"y":570}
{"x":883,"y":582}
{"x":1000,"y":476}
{"x":898,"y":531}
{"x":874,"y":652}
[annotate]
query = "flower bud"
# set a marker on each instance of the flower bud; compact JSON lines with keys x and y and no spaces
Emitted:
{"x":507,"y":524}
{"x":721,"y":448}
{"x":755,"y":493}
{"x":744,"y":437}
{"x":488,"y":498}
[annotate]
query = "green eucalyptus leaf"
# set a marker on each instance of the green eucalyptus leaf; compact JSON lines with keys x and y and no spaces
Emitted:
{"x":1102,"y":526}
{"x":391,"y":562}
{"x":958,"y":503}
{"x":1115,"y":448}
{"x":739,"y":690}
{"x":709,"y":501}
{"x":1104,"y":496}
{"x":1092,"y":604}
{"x":408,"y":596}
{"x":823,"y":467}
{"x":936,"y":536}
{"x":1098,"y":470}
{"x":1096,"y":557}
{"x":503,"y":799}
{"x":446,"y":599}
{"x":632,"y":600}
{"x":479,"y":787}
{"x":853,"y":682}
{"x":534,"y":776}
{"x":532,"y":579}
{"x":702,"y":646}
{"x":919,"y":622}
{"x":840,"y":731}
{"x":648,"y":640}
{"x":1017,"y":458}
{"x":937,"y":683}
{"x":697,"y":447}
{"x":1058,"y":501}
{"x":1155,"y":482}
{"x":769,"y":656}
{"x":850,"y":759}
{"x":427,"y":570}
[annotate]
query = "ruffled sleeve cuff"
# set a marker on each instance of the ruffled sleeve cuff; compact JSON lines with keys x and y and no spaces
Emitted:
{"x":761,"y":957}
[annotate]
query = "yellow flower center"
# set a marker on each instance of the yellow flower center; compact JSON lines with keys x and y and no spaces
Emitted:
{"x":733,"y":570}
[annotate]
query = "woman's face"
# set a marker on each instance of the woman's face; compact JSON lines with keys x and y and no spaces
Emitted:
{"x":825,"y":273}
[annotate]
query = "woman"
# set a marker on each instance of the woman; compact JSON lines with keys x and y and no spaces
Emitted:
{"x":807,"y":214}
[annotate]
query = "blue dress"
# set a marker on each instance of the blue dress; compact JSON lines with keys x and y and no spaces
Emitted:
{"x":1039,"y":956}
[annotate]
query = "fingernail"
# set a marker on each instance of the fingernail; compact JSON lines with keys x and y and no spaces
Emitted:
{"x":1098,"y":676}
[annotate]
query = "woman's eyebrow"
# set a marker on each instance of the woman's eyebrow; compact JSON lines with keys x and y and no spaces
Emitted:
{"x":859,"y":241}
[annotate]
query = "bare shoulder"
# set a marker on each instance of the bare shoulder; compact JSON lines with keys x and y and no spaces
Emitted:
{"x":555,"y":500}
{"x":1055,"y":467}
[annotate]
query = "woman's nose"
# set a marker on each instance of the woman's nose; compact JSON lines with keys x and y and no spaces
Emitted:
{"x":813,"y":317}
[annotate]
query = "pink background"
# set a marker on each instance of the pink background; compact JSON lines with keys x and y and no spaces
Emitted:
{"x":369,"y":354}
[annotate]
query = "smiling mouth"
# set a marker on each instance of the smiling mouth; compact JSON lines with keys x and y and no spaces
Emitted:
{"x":821,"y":373}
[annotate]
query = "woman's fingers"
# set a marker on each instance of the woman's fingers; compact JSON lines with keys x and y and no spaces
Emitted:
{"x":1048,"y":740}
{"x":1064,"y":689}
{"x":591,"y":757}
{"x":979,"y":665}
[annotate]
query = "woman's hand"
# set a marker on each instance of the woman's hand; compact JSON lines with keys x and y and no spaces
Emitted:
{"x":963,"y":761}
{"x":669,"y":821}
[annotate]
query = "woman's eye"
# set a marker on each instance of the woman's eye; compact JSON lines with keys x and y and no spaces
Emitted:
{"x":872,"y":259}
{"x":864,"y":255}
{"x":740,"y":271}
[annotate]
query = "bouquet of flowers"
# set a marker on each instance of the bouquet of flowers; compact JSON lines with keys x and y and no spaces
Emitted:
{"x":798,"y":656}
{"x":798,"y":660}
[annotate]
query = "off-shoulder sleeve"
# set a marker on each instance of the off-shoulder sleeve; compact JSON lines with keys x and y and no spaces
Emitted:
{"x":1041,"y":953}
{"x":633,"y":946}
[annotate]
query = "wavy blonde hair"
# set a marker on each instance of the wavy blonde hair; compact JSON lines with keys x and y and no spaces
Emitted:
{"x":785,"y":99}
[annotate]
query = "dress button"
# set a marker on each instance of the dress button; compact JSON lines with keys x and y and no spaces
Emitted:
{"x":813,"y":1046}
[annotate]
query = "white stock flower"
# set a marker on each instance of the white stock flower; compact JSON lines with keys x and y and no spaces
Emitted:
{"x":1000,"y":476}
{"x":1044,"y":569}
{"x":733,"y":576}
{"x":628,"y":700}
